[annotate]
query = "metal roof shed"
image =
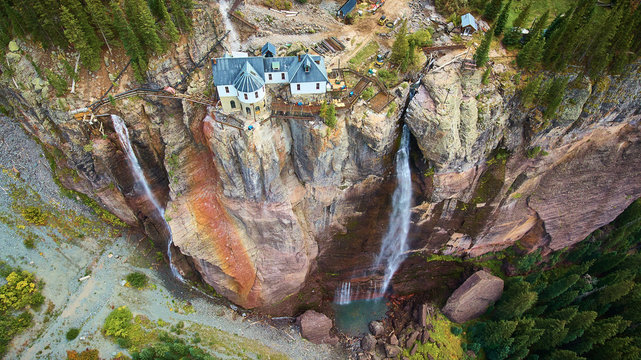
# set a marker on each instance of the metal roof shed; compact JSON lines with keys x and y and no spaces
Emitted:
{"x":269,"y":50}
{"x":468,"y":24}
{"x":347,"y":7}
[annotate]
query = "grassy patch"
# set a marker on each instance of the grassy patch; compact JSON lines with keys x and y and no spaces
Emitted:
{"x":449,"y":344}
{"x":72,"y":333}
{"x":137,"y":280}
{"x":363,"y":55}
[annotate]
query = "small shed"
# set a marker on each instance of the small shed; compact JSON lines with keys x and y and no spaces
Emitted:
{"x":347,"y":7}
{"x":468,"y":24}
{"x":269,"y":50}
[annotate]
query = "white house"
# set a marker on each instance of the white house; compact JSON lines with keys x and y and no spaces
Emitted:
{"x":240,"y":81}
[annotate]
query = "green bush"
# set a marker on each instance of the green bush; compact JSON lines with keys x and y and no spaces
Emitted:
{"x":137,"y":280}
{"x":328,"y":113}
{"x":456,"y":330}
{"x":72,"y":333}
{"x":34,"y":215}
{"x":118,"y":322}
{"x":368,"y":93}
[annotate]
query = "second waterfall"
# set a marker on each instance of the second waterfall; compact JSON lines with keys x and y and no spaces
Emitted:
{"x":394,"y":245}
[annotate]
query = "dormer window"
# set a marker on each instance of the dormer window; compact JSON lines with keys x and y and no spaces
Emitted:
{"x":245,"y":96}
{"x":270,"y":76}
{"x":307,"y":67}
{"x":227,"y":89}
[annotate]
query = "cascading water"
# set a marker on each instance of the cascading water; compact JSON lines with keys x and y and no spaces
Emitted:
{"x":343,"y":294}
{"x":394,"y":245}
{"x":141,"y":182}
{"x":233,"y":38}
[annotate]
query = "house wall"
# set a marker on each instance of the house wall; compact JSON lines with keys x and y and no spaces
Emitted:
{"x":227,"y":101}
{"x":251,"y":96}
{"x":276,"y":78}
{"x":256,"y":109}
{"x":308,"y":88}
{"x":222,"y":93}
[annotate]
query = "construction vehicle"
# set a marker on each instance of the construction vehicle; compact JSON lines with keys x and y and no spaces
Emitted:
{"x":380,"y":59}
{"x":381,"y":21}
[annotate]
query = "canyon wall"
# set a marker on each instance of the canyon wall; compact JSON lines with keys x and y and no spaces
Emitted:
{"x":293,"y":207}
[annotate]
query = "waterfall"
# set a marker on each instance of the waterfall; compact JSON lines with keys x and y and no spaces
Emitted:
{"x":394,"y":245}
{"x":233,"y":38}
{"x":343,"y":294}
{"x":141,"y":182}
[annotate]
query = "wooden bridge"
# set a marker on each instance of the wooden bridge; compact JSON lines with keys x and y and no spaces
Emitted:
{"x":429,"y":49}
{"x":284,"y":110}
{"x":379,"y":101}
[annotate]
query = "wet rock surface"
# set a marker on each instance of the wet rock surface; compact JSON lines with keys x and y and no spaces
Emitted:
{"x":473,"y":297}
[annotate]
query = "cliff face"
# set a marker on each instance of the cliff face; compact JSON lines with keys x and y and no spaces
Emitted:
{"x":293,"y":206}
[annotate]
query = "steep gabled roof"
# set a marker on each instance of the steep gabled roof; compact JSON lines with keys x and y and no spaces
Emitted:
{"x":268,"y":50}
{"x":316,"y":73}
{"x":225,"y":70}
{"x":248,"y":79}
{"x":468,"y":20}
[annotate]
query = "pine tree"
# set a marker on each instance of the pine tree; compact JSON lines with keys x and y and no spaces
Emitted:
{"x":100,"y":17}
{"x":531,"y":53}
{"x":143,"y":24}
{"x":47,"y":12}
{"x":554,"y":331}
{"x":401,"y":46}
{"x":178,"y":11}
{"x":578,"y":324}
{"x":492,"y":9}
{"x":558,"y":287}
{"x":601,"y":52}
{"x":560,"y":354}
{"x":130,"y":42}
{"x":529,"y":92}
{"x":76,"y":36}
{"x":502,"y":21}
{"x":620,"y":348}
{"x":516,"y":300}
{"x":481,"y":56}
{"x":523,"y":15}
{"x":553,"y":98}
{"x":82,"y":17}
{"x":524,"y":336}
{"x":599,"y":332}
{"x":540,"y":24}
{"x":168,"y":23}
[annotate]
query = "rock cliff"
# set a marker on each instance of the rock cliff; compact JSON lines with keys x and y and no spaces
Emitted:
{"x":294,"y":207}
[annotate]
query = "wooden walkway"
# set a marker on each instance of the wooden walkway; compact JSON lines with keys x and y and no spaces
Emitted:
{"x":429,"y":49}
{"x":281,"y":109}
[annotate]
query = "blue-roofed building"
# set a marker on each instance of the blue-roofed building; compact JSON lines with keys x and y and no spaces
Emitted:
{"x":269,"y":50}
{"x":241,"y":81}
{"x":347,"y":7}
{"x":468,"y":24}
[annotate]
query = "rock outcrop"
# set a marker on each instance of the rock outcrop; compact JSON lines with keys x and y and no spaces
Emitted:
{"x":294,"y":206}
{"x":473,"y":297}
{"x":316,"y":327}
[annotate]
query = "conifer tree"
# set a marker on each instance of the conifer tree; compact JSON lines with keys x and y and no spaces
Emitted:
{"x":502,"y":21}
{"x":481,"y":56}
{"x":47,"y":12}
{"x":143,"y":24}
{"x":561,"y":354}
{"x":82,"y":18}
{"x":516,"y":300}
{"x":178,"y":11}
{"x":523,"y":15}
{"x":531,"y":53}
{"x":100,"y":17}
{"x":530,"y":90}
{"x":554,"y":331}
{"x":492,"y":9}
{"x":76,"y":36}
{"x":599,"y":332}
{"x":601,"y":53}
{"x":553,"y":98}
{"x":130,"y":42}
{"x":168,"y":23}
{"x":400,"y":48}
{"x":578,"y":324}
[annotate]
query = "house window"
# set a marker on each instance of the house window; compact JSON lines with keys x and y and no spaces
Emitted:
{"x":298,"y":87}
{"x":246,"y":96}
{"x":249,"y":110}
{"x":256,"y":94}
{"x":232,"y":104}
{"x":270,"y":76}
{"x":227,"y":89}
{"x":282,"y":76}
{"x":317,"y":86}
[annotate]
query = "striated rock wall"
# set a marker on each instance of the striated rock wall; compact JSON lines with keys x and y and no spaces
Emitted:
{"x":293,"y":207}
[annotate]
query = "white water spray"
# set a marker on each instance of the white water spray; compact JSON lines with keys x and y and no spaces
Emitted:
{"x":343,"y":294}
{"x":394,"y":245}
{"x":123,"y":136}
{"x":232,"y":38}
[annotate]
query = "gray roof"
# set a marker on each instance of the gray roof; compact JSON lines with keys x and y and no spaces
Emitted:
{"x":248,"y":79}
{"x":468,"y":20}
{"x":226,"y":70}
{"x":268,"y":47}
{"x":316,"y":73}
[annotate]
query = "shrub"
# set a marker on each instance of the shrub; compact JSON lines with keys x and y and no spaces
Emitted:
{"x":368,"y":93}
{"x":456,"y":330}
{"x":57,"y":82}
{"x":137,"y":280}
{"x":72,"y":333}
{"x":535,"y":152}
{"x":88,"y":354}
{"x":328,"y":113}
{"x":278,"y":4}
{"x":118,"y":322}
{"x":34,"y":215}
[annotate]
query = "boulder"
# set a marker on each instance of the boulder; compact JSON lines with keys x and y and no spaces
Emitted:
{"x":422,"y":315}
{"x":368,"y":342}
{"x":376,"y":328}
{"x":414,"y":348}
{"x":430,"y":357}
{"x":13,"y":46}
{"x":315,"y":327}
{"x":472,"y":298}
{"x":392,"y":351}
{"x":412,"y":339}
{"x":393,"y":340}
